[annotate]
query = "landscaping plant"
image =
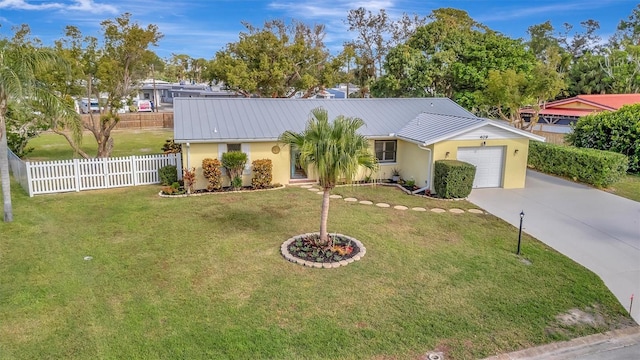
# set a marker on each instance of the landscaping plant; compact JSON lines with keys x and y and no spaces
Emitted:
{"x":168,"y":174}
{"x":336,"y":150}
{"x":211,"y":171}
{"x":262,"y":173}
{"x":189,"y":178}
{"x":234,"y":162}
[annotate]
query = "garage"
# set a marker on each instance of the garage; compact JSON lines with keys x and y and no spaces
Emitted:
{"x":489,"y":161}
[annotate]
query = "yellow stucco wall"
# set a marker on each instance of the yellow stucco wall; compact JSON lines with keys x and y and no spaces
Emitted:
{"x":413,"y":162}
{"x":198,"y":152}
{"x":514,"y":167}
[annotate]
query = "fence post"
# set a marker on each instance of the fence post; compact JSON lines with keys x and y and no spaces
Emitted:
{"x":134,"y":170}
{"x":76,"y":172}
{"x":29,"y":184}
{"x":179,"y":164}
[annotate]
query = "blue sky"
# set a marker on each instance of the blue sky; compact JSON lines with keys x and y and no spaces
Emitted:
{"x":199,"y":28}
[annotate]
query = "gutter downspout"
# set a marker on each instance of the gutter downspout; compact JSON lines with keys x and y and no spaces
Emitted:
{"x":188,"y":155}
{"x":429,"y":173}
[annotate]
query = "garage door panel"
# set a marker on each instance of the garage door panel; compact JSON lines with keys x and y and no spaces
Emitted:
{"x":489,"y":162}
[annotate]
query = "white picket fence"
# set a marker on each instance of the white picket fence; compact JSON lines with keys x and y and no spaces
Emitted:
{"x":47,"y":177}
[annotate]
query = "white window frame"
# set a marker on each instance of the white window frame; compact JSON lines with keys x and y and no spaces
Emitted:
{"x":384,"y":146}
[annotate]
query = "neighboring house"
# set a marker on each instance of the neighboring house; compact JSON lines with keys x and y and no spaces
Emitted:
{"x":409,"y":134}
{"x":557,"y":116}
{"x":166,"y":92}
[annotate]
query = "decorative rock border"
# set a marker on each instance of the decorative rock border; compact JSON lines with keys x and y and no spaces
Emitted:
{"x":399,"y":207}
{"x":219,"y":192}
{"x":284,"y":249}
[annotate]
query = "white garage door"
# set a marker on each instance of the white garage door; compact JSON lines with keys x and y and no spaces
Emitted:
{"x":488,"y":160}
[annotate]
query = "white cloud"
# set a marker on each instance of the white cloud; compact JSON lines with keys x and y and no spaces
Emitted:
{"x":92,"y":7}
{"x":23,"y":5}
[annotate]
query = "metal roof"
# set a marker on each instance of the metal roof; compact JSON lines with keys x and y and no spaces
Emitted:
{"x":263,"y":119}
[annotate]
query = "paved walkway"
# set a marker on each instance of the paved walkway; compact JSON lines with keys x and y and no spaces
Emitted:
{"x":615,"y":345}
{"x":396,"y":207}
{"x":599,"y":230}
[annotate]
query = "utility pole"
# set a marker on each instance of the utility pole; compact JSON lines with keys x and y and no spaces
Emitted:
{"x":153,"y":76}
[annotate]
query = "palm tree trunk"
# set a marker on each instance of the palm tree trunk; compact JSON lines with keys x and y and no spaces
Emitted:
{"x":324,"y":216}
{"x":4,"y":170}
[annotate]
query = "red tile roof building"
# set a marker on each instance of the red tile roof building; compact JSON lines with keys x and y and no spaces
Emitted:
{"x":567,"y":111}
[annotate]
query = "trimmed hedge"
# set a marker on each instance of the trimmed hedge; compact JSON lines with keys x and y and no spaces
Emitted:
{"x":262,"y":174}
{"x":591,"y":166}
{"x":617,"y":131}
{"x":453,"y":179}
{"x":168,"y":174}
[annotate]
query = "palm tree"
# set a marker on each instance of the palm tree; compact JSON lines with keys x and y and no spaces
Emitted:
{"x":19,"y":64}
{"x":336,"y":151}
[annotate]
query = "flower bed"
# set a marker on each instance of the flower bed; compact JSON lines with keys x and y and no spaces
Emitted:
{"x":305,"y":250}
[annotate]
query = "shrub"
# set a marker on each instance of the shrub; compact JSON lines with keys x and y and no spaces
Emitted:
{"x":168,"y":175}
{"x":596,"y":167}
{"x":171,"y":147}
{"x":189,"y":178}
{"x":211,"y":170}
{"x":234,"y":162}
{"x":453,"y":179}
{"x":617,"y":131}
{"x":262,"y":174}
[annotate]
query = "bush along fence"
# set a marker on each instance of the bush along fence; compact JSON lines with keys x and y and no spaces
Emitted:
{"x":47,"y":177}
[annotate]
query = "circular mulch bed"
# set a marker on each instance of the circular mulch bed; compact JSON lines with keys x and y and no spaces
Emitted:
{"x":302,"y":250}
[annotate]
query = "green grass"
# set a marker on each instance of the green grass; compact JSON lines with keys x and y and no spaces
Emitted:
{"x":628,"y":187}
{"x":50,"y":146}
{"x":202,"y":277}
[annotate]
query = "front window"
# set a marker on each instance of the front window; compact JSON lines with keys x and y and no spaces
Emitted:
{"x":386,"y":150}
{"x":234,"y":147}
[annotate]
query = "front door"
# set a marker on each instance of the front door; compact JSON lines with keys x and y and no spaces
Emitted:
{"x":297,"y":172}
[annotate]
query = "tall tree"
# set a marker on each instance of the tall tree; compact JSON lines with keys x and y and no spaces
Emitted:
{"x":20,"y":62}
{"x":450,"y":56}
{"x":278,"y":60}
{"x":335,"y":150}
{"x":111,"y":67}
{"x":377,"y":34}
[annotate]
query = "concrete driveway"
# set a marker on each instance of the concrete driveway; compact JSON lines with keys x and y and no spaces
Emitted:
{"x":596,"y":229}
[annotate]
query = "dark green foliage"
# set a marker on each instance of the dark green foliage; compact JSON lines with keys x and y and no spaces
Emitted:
{"x":617,"y":131}
{"x":262,"y":174}
{"x":234,"y":162}
{"x":168,"y":175}
{"x":453,"y":179}
{"x":211,"y":170}
{"x":596,"y":167}
{"x":170,"y":147}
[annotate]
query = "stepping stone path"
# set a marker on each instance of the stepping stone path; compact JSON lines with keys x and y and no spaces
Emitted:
{"x":397,"y":207}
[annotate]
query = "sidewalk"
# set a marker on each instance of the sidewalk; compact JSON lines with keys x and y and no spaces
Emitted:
{"x":616,"y":344}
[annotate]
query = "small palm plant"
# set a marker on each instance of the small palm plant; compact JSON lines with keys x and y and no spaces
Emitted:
{"x":337,"y":152}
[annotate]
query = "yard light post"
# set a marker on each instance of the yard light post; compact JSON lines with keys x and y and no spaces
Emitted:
{"x":520,"y":232}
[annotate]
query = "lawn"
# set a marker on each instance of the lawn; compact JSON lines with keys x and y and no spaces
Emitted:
{"x":50,"y":146}
{"x":628,"y":187}
{"x":201,"y":277}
